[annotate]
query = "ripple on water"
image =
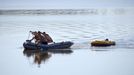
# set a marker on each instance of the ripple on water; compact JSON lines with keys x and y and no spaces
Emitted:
{"x":88,"y":29}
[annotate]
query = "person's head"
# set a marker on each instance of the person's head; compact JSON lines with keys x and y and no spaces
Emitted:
{"x":39,"y":32}
{"x":44,"y":33}
{"x":106,"y":39}
{"x":34,"y":33}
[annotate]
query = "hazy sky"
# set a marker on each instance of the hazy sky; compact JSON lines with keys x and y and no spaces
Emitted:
{"x":20,"y":4}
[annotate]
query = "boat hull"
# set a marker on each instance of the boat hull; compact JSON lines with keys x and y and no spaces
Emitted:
{"x":60,"y":45}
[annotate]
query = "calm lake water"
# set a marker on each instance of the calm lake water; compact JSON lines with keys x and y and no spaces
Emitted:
{"x":81,"y":59}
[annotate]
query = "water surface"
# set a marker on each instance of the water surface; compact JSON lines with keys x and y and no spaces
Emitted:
{"x":81,"y":58}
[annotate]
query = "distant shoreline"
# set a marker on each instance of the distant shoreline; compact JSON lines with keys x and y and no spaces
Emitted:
{"x":93,"y":11}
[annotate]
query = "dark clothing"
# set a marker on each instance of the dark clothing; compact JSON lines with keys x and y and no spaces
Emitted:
{"x":45,"y":43}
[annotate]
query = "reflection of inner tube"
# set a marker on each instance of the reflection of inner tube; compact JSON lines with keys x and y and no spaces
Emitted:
{"x":102,"y":43}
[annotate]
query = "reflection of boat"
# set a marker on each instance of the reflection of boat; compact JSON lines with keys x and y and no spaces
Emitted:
{"x":102,"y":43}
{"x":61,"y":45}
{"x":54,"y":51}
{"x":41,"y":56}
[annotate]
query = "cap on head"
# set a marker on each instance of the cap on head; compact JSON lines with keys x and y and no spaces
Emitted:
{"x":106,"y":39}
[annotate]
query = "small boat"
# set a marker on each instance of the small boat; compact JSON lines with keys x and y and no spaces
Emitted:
{"x":60,"y":45}
{"x":102,"y":43}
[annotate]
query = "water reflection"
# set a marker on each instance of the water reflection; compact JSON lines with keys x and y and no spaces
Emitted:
{"x":42,"y":56}
{"x":102,"y":49}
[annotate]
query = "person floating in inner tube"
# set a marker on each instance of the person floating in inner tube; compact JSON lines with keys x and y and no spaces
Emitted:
{"x":106,"y":39}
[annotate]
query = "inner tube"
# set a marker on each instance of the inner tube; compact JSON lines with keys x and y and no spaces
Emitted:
{"x":102,"y":43}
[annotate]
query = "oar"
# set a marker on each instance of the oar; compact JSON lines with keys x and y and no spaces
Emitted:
{"x":29,"y":35}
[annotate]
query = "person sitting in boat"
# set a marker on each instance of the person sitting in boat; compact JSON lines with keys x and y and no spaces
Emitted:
{"x":42,"y":40}
{"x":39,"y":39}
{"x":47,"y":37}
{"x":36,"y":37}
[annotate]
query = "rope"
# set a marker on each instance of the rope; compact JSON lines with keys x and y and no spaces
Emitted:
{"x":28,"y":36}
